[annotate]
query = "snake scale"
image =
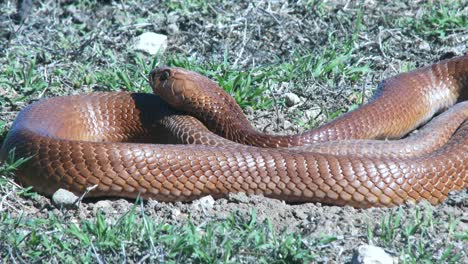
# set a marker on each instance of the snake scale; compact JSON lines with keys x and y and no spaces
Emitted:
{"x":131,"y":144}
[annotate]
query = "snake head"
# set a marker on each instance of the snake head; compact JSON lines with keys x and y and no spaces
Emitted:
{"x":182,"y":89}
{"x":197,"y":95}
{"x":166,"y":86}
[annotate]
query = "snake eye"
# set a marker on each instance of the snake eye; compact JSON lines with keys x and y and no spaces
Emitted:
{"x":164,"y":75}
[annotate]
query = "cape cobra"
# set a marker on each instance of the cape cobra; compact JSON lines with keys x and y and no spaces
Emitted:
{"x":135,"y":144}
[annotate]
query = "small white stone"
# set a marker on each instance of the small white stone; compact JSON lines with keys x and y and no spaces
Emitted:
{"x":172,"y":18}
{"x":315,"y":115}
{"x":103,"y":204}
{"x":287,"y":124}
{"x":151,"y":43}
{"x":104,"y":207}
{"x":312,"y":113}
{"x":64,"y":198}
{"x":291,"y":99}
{"x":205,"y":203}
{"x":424,"y":45}
{"x":176,"y":213}
{"x":367,"y":254}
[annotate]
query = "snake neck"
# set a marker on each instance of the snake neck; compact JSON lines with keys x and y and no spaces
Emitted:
{"x":225,"y":118}
{"x":421,"y":93}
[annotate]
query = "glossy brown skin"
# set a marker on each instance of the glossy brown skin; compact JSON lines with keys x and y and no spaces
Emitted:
{"x":401,"y":104}
{"x":78,"y":141}
{"x":429,"y":138}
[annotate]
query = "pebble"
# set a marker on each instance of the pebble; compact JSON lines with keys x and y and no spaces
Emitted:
{"x":368,"y":254}
{"x":312,"y":113}
{"x":249,"y":110}
{"x":172,"y":29}
{"x":238,"y":198}
{"x":151,"y":43}
{"x":172,"y":18}
{"x":291,"y":99}
{"x":205,"y":203}
{"x":176,"y":213}
{"x":424,"y":45}
{"x":314,"y":116}
{"x":457,"y":198}
{"x":287,"y":124}
{"x":64,"y":198}
{"x":104,"y":207}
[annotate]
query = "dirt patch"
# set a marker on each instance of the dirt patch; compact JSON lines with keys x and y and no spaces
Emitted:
{"x":345,"y":227}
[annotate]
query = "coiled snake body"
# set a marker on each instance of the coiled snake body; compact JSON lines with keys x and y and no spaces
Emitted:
{"x":135,"y":144}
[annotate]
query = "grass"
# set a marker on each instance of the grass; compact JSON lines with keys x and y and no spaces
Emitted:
{"x":188,"y":6}
{"x":2,"y":127}
{"x":438,"y":18}
{"x":418,"y":245}
{"x":22,"y":78}
{"x":136,"y":237}
{"x":11,"y":164}
{"x":249,"y":87}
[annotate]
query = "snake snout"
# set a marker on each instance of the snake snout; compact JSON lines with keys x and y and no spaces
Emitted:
{"x":160,"y":74}
{"x":166,"y":83}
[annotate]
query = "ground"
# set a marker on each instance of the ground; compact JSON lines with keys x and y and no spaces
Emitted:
{"x":331,"y":54}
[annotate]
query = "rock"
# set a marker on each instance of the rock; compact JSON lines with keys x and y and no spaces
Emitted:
{"x":153,"y":203}
{"x":205,"y":203}
{"x":172,"y":18}
{"x":424,"y":45}
{"x":238,"y":197}
{"x":249,"y":110}
{"x":172,"y":29}
{"x":150,"y":43}
{"x":287,"y":124}
{"x":457,"y":198}
{"x":315,"y":115}
{"x":64,"y":198}
{"x":312,"y":113}
{"x":104,"y":207}
{"x":291,"y":99}
{"x":176,"y":213}
{"x":367,"y":254}
{"x":122,"y":205}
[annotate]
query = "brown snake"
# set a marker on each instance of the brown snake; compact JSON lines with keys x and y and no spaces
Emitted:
{"x":104,"y":139}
